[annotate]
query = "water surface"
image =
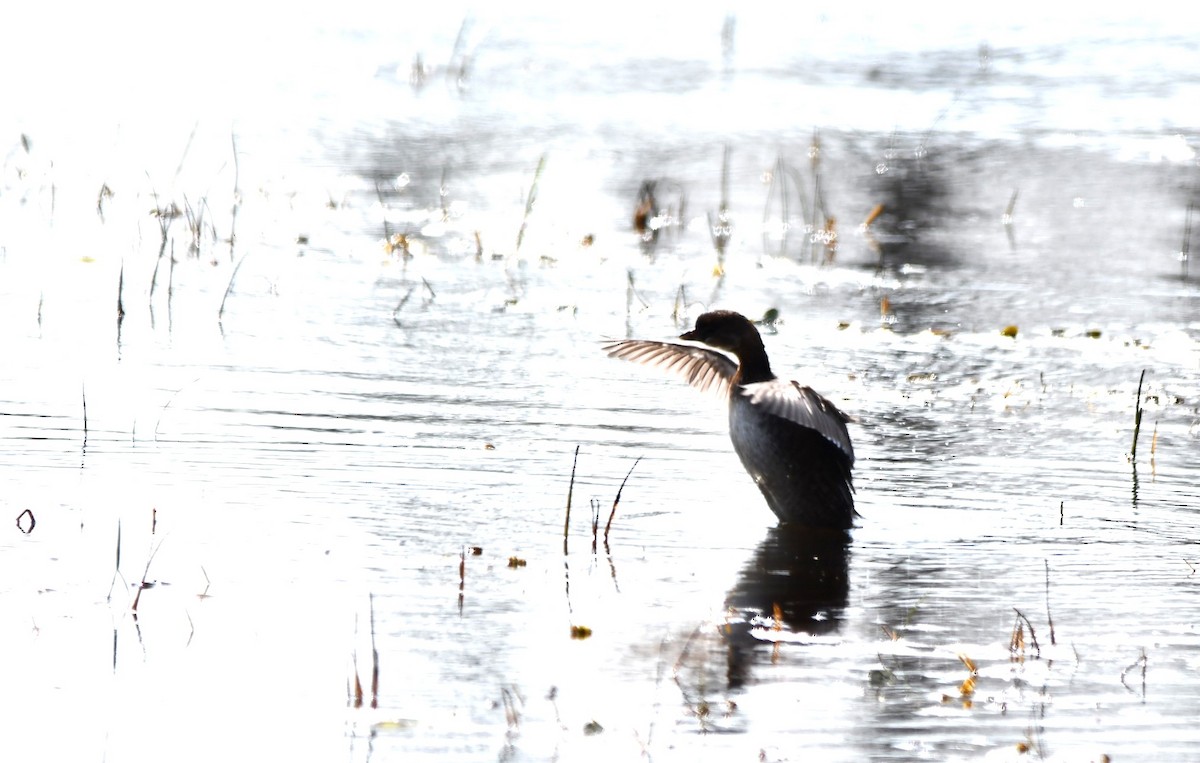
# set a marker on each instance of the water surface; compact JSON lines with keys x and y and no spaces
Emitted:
{"x":299,"y":441}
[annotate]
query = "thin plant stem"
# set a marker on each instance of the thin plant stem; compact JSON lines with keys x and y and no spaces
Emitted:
{"x":570,"y":492}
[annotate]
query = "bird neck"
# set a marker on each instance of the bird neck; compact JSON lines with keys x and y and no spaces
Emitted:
{"x":753,"y":365}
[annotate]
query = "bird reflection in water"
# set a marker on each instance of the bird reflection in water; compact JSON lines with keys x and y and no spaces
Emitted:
{"x":799,"y":579}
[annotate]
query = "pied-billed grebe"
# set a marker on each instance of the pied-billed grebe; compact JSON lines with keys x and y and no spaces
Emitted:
{"x":791,"y":440}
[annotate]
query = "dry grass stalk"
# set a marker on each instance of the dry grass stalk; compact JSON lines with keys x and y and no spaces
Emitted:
{"x":530,"y":200}
{"x":570,"y":493}
{"x":1137,"y":418}
{"x":617,"y":500}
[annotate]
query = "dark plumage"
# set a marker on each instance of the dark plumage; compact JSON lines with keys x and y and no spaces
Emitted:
{"x":791,"y":440}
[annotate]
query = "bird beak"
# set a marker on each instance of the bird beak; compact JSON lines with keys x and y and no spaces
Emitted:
{"x":690,"y":336}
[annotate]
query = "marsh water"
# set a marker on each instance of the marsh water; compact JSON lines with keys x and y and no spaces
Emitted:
{"x":358,"y":379}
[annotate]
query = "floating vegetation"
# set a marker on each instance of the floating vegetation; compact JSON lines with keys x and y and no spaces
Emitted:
{"x":769,"y":320}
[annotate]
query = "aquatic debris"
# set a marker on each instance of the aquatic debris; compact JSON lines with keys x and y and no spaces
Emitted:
{"x":580,"y":632}
{"x":966,"y":689}
{"x":397,"y":242}
{"x":393,"y":726}
{"x":769,"y":320}
{"x":880,"y":677}
{"x":26,"y":521}
{"x":1009,"y":331}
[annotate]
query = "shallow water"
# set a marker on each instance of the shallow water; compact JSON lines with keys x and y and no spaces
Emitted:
{"x":300,"y":478}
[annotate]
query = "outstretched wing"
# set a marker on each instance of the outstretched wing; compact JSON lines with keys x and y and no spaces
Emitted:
{"x":803,"y":406}
{"x":703,"y":369}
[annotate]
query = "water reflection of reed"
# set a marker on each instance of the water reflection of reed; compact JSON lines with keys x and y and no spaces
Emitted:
{"x":799,"y":577}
